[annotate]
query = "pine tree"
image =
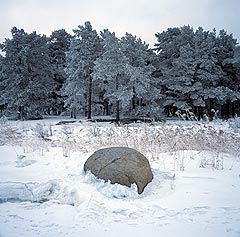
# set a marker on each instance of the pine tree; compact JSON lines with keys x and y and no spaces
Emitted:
{"x":74,"y":86}
{"x":59,"y":43}
{"x":141,"y":82}
{"x":2,"y":86}
{"x":85,"y":48}
{"x":191,"y":67}
{"x":110,"y":72}
{"x":176,"y":64}
{"x":179,"y":80}
{"x":28,"y":79}
{"x":231,"y":67}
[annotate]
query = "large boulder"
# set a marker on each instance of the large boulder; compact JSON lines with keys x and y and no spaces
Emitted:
{"x":122,"y":165}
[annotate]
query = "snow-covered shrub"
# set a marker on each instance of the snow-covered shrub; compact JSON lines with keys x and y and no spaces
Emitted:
{"x":153,"y":112}
{"x":235,"y":124}
{"x":41,"y":131}
{"x":95,"y":131}
{"x":205,"y":118}
{"x":215,"y":162}
{"x":66,"y":147}
{"x":3,"y":120}
{"x":153,"y":140}
{"x":186,"y":114}
{"x":68,"y":141}
{"x":150,"y":139}
{"x":214,"y":114}
{"x":39,"y":141}
{"x":67,"y":130}
{"x":35,"y":144}
{"x":8,"y":134}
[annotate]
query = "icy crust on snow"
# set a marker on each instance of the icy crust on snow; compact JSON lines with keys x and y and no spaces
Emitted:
{"x":37,"y":192}
{"x":66,"y":193}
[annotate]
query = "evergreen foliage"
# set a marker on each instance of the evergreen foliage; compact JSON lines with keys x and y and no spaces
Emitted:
{"x":100,"y":74}
{"x":85,"y":48}
{"x":58,"y":45}
{"x":111,"y":73}
{"x":27,"y":76}
{"x":193,"y":73}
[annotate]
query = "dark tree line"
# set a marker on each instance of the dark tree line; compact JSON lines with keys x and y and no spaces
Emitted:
{"x":92,"y":73}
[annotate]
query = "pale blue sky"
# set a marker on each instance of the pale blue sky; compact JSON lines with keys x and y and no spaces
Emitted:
{"x":140,"y":17}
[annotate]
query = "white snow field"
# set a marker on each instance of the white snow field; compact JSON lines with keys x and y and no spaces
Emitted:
{"x":44,"y":191}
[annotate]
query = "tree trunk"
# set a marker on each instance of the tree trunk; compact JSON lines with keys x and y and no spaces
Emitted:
{"x":222,"y":111}
{"x":73,"y":113}
{"x":106,"y":107}
{"x":89,"y":112}
{"x":233,"y":109}
{"x":2,"y":107}
{"x":133,"y":103}
{"x":21,"y":112}
{"x":211,"y":113}
{"x":198,"y":112}
{"x":228,"y":109}
{"x":118,"y":101}
{"x":133,"y":100}
{"x":118,"y":111}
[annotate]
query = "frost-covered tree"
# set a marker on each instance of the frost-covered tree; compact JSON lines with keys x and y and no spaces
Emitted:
{"x":179,"y":79}
{"x":207,"y":72}
{"x":226,"y":45}
{"x":197,"y":70}
{"x":231,"y":66}
{"x":59,"y":42}
{"x":111,"y":73}
{"x":226,"y":51}
{"x":2,"y":86}
{"x":73,"y":87}
{"x":27,"y":75}
{"x":85,"y":48}
{"x":141,"y":82}
{"x":218,"y":91}
{"x":191,"y":67}
{"x":176,"y":64}
{"x":124,"y":73}
{"x":167,"y":46}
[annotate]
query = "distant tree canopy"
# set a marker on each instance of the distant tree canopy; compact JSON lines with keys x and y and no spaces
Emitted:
{"x":196,"y":71}
{"x":92,"y":73}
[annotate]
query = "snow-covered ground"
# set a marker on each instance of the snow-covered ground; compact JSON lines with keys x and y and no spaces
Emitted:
{"x":44,"y":191}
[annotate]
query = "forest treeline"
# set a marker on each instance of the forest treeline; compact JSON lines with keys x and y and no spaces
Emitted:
{"x":90,"y":73}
